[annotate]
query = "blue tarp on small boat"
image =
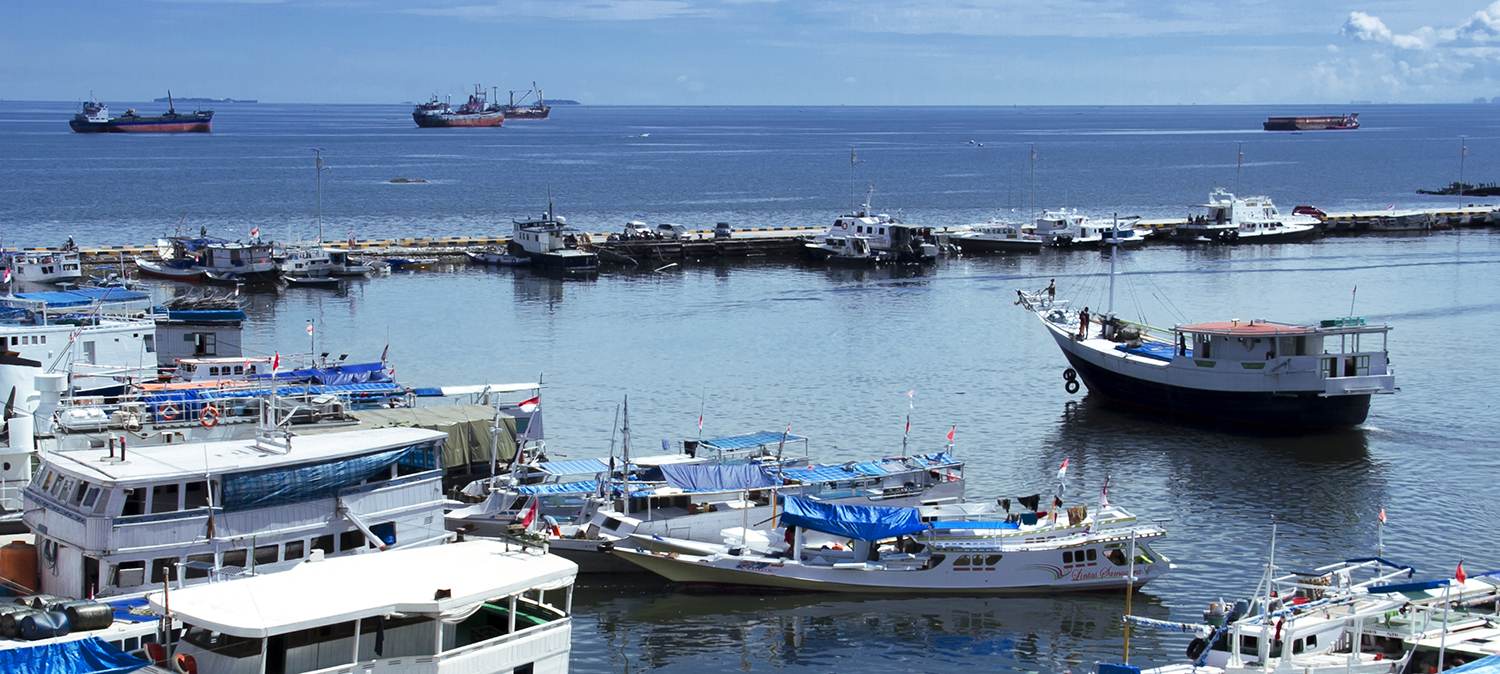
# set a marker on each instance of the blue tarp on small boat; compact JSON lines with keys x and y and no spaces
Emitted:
{"x":713,"y":477}
{"x":84,"y":656}
{"x":1156,"y":350}
{"x":865,"y":523}
{"x":748,"y":440}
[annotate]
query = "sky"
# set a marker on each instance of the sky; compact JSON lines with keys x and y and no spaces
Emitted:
{"x":758,"y":52}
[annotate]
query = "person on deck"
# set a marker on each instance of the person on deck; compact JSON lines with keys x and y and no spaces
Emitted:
{"x":1083,"y":324}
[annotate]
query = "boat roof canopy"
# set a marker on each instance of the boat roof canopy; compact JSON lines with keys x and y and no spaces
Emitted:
{"x":1254,"y":327}
{"x":396,"y":581}
{"x":866,"y":523}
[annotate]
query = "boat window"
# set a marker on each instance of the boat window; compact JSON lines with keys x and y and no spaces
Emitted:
{"x":83,"y":487}
{"x":1093,"y":554}
{"x":222,"y":644}
{"x":135,"y":502}
{"x":352,"y":540}
{"x":992,"y":560}
{"x":1296,"y":647}
{"x":963,"y":560}
{"x":191,"y":573}
{"x":324,"y":543}
{"x":1117,"y":557}
{"x":61,"y":488}
{"x":235,"y":558}
{"x":387,"y":532}
{"x":265,"y":554}
{"x":882,"y":230}
{"x":294,"y":550}
{"x":1249,"y":645}
{"x":130,"y":574}
{"x":195,"y":496}
{"x":164,"y":498}
{"x":91,"y":497}
{"x":239,"y":369}
{"x":1067,"y":557}
{"x":163,"y":570}
{"x":47,"y":478}
{"x":213,"y":371}
{"x":1312,"y":641}
{"x":150,"y":342}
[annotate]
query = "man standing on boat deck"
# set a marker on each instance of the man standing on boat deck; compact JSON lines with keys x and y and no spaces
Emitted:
{"x":1052,"y":290}
{"x":1083,"y":324}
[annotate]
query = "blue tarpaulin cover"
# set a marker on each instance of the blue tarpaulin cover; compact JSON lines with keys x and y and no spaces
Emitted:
{"x":83,"y":296}
{"x":580,"y":467}
{"x":83,"y":656}
{"x":292,"y":484}
{"x":713,"y":477}
{"x":814,"y":474}
{"x":750,"y":440}
{"x":1156,"y":350}
{"x":1489,"y":665}
{"x":122,"y":609}
{"x":865,"y":523}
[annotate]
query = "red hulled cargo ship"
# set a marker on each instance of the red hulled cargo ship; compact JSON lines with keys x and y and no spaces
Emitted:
{"x":1350,"y":121}
{"x":478,"y":111}
{"x":95,"y":119}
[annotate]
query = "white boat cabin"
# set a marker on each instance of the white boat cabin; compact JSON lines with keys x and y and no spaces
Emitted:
{"x":46,"y":266}
{"x":475,"y":606}
{"x":116,"y":518}
{"x":1349,"y":355}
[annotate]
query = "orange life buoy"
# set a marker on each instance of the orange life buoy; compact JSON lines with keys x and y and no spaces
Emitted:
{"x":210,"y":416}
{"x":167,"y":412}
{"x":185,"y":663}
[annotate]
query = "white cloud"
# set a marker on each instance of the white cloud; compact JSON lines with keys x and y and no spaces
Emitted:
{"x":1430,"y":62}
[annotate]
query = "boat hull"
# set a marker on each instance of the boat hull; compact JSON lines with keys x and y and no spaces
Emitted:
{"x":173,"y":124}
{"x":495,"y":118}
{"x":528,"y":113}
{"x":1301,"y":410}
{"x":164,"y":271}
{"x":988,"y":245}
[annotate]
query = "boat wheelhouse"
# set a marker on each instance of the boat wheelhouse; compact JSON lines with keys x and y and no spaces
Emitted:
{"x":885,"y":235}
{"x":45,"y":266}
{"x":118,"y":519}
{"x":83,"y":334}
{"x":475,"y":606}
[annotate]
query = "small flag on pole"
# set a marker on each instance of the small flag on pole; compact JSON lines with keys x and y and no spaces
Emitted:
{"x":7,"y":276}
{"x":700,"y":421}
{"x":1063,"y":470}
{"x":309,"y":328}
{"x":951,"y":431}
{"x":532,"y":515}
{"x":385,"y":352}
{"x":255,"y":232}
{"x":528,"y":406}
{"x":1382,"y":515}
{"x":1459,"y":575}
{"x":275,"y":362}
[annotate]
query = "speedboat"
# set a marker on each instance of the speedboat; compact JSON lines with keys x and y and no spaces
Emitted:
{"x":998,"y":236}
{"x":849,"y":250}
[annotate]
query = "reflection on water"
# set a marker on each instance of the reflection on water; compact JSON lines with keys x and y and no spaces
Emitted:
{"x":649,"y":625}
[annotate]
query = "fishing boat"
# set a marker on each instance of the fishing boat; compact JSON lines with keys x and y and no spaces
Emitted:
{"x":1349,"y":121}
{"x":44,"y":266}
{"x":344,"y":265}
{"x":304,"y":261}
{"x":549,"y":242}
{"x":998,"y":237}
{"x":411,"y":263}
{"x":891,"y":550}
{"x":519,"y":110}
{"x":1256,"y":372}
{"x":474,"y":606}
{"x":94,"y":118}
{"x":82,"y":335}
{"x":1245,"y":220}
{"x":498,"y":258}
{"x":174,"y":270}
{"x":477,"y":111}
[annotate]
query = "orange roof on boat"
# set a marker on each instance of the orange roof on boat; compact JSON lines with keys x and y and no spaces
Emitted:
{"x":1255,"y":327}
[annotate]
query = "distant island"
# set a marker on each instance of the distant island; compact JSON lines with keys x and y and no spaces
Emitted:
{"x":561,"y":101}
{"x":204,"y":100}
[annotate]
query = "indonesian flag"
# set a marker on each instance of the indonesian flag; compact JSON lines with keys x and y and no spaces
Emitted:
{"x":951,"y":431}
{"x":908,"y":424}
{"x":1104,"y":494}
{"x":7,"y":275}
{"x":700,"y":421}
{"x":1063,"y":471}
{"x":275,"y":361}
{"x":1460,"y":575}
{"x":533,"y":514}
{"x":530,"y":404}
{"x":309,"y":328}
{"x":255,"y":232}
{"x":1382,"y":515}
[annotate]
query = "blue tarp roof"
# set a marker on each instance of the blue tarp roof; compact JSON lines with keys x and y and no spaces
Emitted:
{"x":714,"y":477}
{"x":83,"y":296}
{"x":1489,"y":665}
{"x":750,"y":440}
{"x":865,"y":523}
{"x":820,"y":474}
{"x":583,"y":467}
{"x":584,"y":487}
{"x":83,"y":656}
{"x":1156,"y":350}
{"x":986,"y":524}
{"x":353,"y":390}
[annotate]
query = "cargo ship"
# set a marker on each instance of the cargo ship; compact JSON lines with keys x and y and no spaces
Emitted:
{"x":95,"y":119}
{"x":1350,"y":121}
{"x":478,"y":111}
{"x":537,"y":110}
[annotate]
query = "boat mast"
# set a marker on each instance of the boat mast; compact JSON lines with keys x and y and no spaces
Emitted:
{"x":1237,"y":164}
{"x":625,"y":458}
{"x":318,"y":151}
{"x":1033,"y":184}
{"x":853,"y":161}
{"x":1463,"y":152}
{"x":1114,"y":250}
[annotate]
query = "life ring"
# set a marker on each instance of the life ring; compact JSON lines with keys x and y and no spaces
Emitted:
{"x":185,"y":663}
{"x":1071,"y":386}
{"x":167,"y":412}
{"x":1196,"y":647}
{"x":210,"y":416}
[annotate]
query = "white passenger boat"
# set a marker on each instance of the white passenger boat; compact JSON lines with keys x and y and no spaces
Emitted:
{"x":343,"y":265}
{"x":1245,"y":220}
{"x":45,"y":266}
{"x":549,"y":242}
{"x":1247,"y":371}
{"x":475,"y":606}
{"x":305,"y":261}
{"x":998,"y":237}
{"x":885,"y":234}
{"x":119,"y":518}
{"x":849,"y":250}
{"x":884,"y":550}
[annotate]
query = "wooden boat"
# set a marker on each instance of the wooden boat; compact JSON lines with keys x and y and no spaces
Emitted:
{"x":498,"y":258}
{"x":895,"y":551}
{"x":312,"y":282}
{"x":182,"y":270}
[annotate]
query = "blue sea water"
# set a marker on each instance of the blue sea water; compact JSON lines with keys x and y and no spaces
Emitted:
{"x":833,"y":352}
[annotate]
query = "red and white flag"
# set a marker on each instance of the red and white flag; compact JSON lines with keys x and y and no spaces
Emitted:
{"x":7,"y":276}
{"x":309,"y":328}
{"x":275,"y":361}
{"x":700,"y":421}
{"x":908,"y":424}
{"x":1460,"y":575}
{"x":1104,"y":494}
{"x":1063,"y":471}
{"x":533,"y":517}
{"x":255,"y":232}
{"x":529,"y":405}
{"x":951,"y":431}
{"x":1382,"y":515}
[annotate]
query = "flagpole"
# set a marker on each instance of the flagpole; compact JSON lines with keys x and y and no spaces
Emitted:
{"x":702,"y":400}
